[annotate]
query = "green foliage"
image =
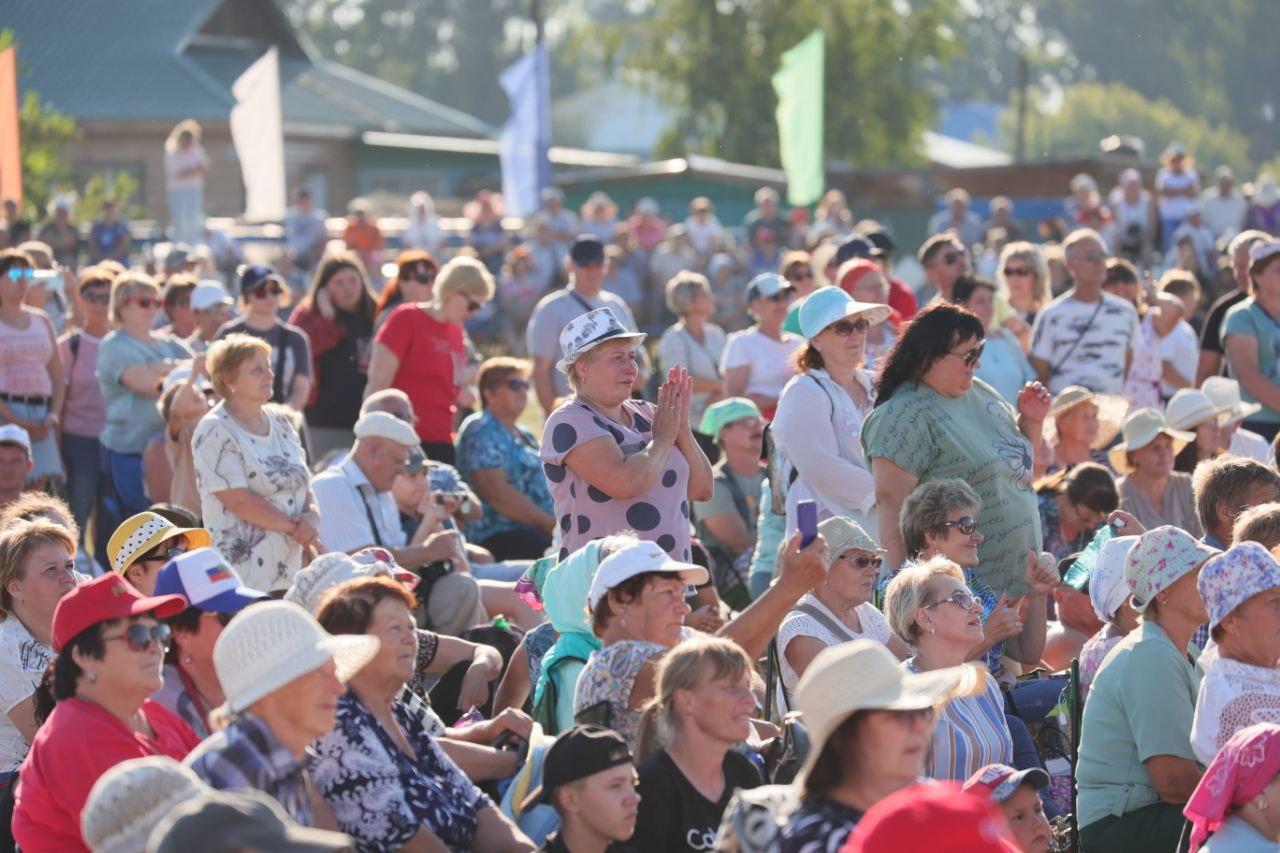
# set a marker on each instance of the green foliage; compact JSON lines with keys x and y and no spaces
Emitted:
{"x":714,"y":62}
{"x":100,"y":186}
{"x":1092,"y":111}
{"x":43,"y":134}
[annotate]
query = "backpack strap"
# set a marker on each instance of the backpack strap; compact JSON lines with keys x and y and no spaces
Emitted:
{"x":840,"y":630}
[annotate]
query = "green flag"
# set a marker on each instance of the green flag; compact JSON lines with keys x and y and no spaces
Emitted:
{"x":798,"y":83}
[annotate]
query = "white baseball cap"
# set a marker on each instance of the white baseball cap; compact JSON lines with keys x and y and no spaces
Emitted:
{"x":639,"y":559}
{"x":209,"y":293}
{"x":14,"y":434}
{"x":207,"y":581}
{"x":386,"y":425}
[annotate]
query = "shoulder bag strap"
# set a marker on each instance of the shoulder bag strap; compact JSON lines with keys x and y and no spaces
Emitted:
{"x":1053,"y":369}
{"x":586,"y":306}
{"x":825,"y":621}
{"x":694,"y":342}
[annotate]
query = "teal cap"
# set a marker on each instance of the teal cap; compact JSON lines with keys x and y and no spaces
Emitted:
{"x":720,"y":415}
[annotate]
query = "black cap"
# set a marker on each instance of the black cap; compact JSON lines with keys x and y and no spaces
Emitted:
{"x":586,"y":249}
{"x":854,"y":246}
{"x":580,"y":752}
{"x":256,"y":276}
{"x":882,"y":240}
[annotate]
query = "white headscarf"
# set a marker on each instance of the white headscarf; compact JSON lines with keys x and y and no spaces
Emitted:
{"x":1107,"y":587}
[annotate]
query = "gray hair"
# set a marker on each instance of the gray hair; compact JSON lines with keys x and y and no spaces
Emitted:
{"x":377,"y":401}
{"x":683,"y":288}
{"x":925,"y":510}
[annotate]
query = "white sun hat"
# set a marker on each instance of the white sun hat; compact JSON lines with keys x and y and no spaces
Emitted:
{"x":1225,"y":393}
{"x":1189,"y":408}
{"x":270,"y":644}
{"x":589,"y":330}
{"x":128,"y":801}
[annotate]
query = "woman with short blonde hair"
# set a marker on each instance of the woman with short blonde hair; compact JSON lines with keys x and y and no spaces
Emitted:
{"x":185,"y":166}
{"x":1023,"y":276}
{"x":693,"y":341}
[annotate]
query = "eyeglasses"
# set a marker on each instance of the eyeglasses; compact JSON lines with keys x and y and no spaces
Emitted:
{"x":472,"y":305}
{"x":909,"y":718}
{"x":97,"y":297}
{"x":517,"y":384}
{"x":140,"y":637}
{"x":1094,"y":257}
{"x":19,"y":273}
{"x":845,"y":328}
{"x":797,"y":275}
{"x":863,"y":562}
{"x":963,"y":600}
{"x":1017,"y":272}
{"x":263,"y":292}
{"x":781,"y":296}
{"x":972,"y":357}
{"x":166,"y":556}
{"x":146,"y":302}
{"x":966,"y":525}
{"x":950,"y":258}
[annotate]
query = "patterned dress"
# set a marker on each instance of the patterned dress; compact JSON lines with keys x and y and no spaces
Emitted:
{"x":483,"y":442}
{"x":608,"y":678}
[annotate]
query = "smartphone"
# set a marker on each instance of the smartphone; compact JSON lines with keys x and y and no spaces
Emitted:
{"x":807,"y":522}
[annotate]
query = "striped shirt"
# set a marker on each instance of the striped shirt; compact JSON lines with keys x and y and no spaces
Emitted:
{"x":971,"y":733}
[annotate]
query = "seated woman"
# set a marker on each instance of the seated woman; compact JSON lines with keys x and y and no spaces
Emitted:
{"x":37,"y":568}
{"x":109,"y":651}
{"x":930,"y":608}
{"x":1233,"y":805}
{"x":1241,"y":590}
{"x":1136,"y":768}
{"x":1081,"y":424}
{"x":213,"y":593}
{"x":1151,"y":489}
{"x":389,"y":784}
{"x":1109,"y":594}
{"x":499,"y":459}
{"x":839,"y":609}
{"x":1074,"y":503}
{"x":1190,"y":409}
{"x":145,"y":542}
{"x":870,"y":726}
{"x":688,"y":767}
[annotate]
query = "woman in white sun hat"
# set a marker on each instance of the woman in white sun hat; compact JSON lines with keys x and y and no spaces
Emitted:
{"x":1192,"y":410}
{"x":1080,"y":425}
{"x":282,"y":675}
{"x":1232,"y":436}
{"x":818,"y":425}
{"x":1150,"y":489}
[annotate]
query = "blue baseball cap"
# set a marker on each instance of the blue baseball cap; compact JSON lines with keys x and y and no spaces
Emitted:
{"x":854,"y":246}
{"x":765,"y":285}
{"x":207,"y":582}
{"x":256,"y":276}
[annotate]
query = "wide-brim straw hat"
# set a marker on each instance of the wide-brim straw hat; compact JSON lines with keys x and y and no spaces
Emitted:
{"x":1111,"y":412}
{"x":863,"y":675}
{"x":1140,"y":429}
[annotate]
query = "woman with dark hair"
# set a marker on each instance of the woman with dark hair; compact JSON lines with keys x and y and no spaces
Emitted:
{"x":337,"y":316}
{"x":109,"y":650}
{"x":415,"y":277}
{"x":934,"y":420}
{"x":1074,"y":503}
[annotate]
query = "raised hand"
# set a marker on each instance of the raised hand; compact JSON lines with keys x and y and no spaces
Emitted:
{"x":1034,"y":401}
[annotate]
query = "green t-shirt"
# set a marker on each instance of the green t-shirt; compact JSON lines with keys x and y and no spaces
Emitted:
{"x":974,"y":438}
{"x":131,"y":418}
{"x":1248,"y":319}
{"x":1141,"y":704}
{"x":723,"y":503}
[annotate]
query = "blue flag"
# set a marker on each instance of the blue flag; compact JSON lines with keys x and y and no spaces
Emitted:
{"x":526,"y":136}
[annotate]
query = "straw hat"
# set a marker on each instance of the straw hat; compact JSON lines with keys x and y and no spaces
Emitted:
{"x":864,"y":675}
{"x":1188,"y":408}
{"x":844,"y":534}
{"x":144,"y":531}
{"x":1111,"y":411}
{"x":270,"y":644}
{"x":131,"y":798}
{"x":1140,"y":429}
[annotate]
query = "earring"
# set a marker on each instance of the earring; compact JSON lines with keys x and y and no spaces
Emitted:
{"x":624,"y":623}
{"x":1263,"y":804}
{"x":93,"y":677}
{"x":187,"y":659}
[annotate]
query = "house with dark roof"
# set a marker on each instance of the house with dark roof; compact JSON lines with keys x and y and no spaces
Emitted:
{"x":129,"y":70}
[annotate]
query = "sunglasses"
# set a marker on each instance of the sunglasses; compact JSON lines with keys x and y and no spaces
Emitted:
{"x":1017,"y":272}
{"x":781,"y":296}
{"x":19,"y":273}
{"x":963,"y":600}
{"x":950,"y":258}
{"x":517,"y":384}
{"x":966,"y":525}
{"x":845,"y":328}
{"x":798,"y":275}
{"x":97,"y":297}
{"x":165,"y":556}
{"x":972,"y":357}
{"x":263,"y":292}
{"x":472,"y":305}
{"x":146,"y":302}
{"x":864,"y":562}
{"x":423,"y":277}
{"x":140,"y":637}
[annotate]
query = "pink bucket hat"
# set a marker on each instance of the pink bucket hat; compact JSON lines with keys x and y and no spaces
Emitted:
{"x":1159,"y":558}
{"x":1234,"y":576}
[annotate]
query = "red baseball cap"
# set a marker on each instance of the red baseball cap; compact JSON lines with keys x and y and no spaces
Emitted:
{"x":953,"y":820}
{"x":104,"y":598}
{"x":998,"y":782}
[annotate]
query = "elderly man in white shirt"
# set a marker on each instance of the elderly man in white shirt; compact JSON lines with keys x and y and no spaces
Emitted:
{"x":358,"y":511}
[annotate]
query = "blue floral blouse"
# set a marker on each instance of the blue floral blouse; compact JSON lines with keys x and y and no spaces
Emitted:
{"x":483,"y":442}
{"x":380,"y":796}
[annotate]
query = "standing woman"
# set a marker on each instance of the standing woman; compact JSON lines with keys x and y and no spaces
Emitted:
{"x":185,"y":166}
{"x":1177,"y":189}
{"x":132,"y":364}
{"x":420,"y":351}
{"x":820,"y":414}
{"x":337,"y":316}
{"x":1023,"y":278}
{"x":614,"y":463}
{"x":1251,"y":337}
{"x":31,"y":379}
{"x":758,"y":362}
{"x":1142,"y":382}
{"x":252,"y":475}
{"x":693,"y":342}
{"x":261,"y":289}
{"x":415,"y":277}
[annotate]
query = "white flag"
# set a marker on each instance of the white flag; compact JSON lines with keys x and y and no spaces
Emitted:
{"x":257,"y":129}
{"x":527,"y":134}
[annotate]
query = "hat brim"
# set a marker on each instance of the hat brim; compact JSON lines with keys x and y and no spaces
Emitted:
{"x":1117,"y":454}
{"x":1240,"y":412}
{"x":869,"y":311}
{"x":1201,"y":418}
{"x":159,"y":606}
{"x":1203,"y":551}
{"x":233,"y":600}
{"x":349,"y":652}
{"x":563,"y":364}
{"x":1112,"y":409}
{"x":198,"y":536}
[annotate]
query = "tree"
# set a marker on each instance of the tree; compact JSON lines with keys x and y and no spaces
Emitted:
{"x":714,"y":61}
{"x":1091,"y":111}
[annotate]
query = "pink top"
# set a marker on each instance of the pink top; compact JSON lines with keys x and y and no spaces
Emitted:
{"x":24,"y":357}
{"x":85,"y":411}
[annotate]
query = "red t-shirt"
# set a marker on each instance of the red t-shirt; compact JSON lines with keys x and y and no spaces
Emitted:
{"x":901,"y":299}
{"x":78,"y":743}
{"x":432,"y":359}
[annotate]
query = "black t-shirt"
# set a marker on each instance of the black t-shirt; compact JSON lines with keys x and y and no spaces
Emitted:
{"x":674,"y":816}
{"x":343,"y":373}
{"x":1211,"y":337}
{"x":554,"y":844}
{"x":290,"y":353}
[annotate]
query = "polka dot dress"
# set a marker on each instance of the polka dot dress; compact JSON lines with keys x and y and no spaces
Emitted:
{"x":585,"y":512}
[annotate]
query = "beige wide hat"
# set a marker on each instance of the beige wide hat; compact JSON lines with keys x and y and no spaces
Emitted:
{"x":270,"y":644}
{"x":1140,"y":429}
{"x":1111,"y":411}
{"x":844,"y":534}
{"x":863,"y":675}
{"x":1188,"y":408}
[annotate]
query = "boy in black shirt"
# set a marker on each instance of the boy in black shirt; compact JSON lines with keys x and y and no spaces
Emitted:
{"x":589,"y":778}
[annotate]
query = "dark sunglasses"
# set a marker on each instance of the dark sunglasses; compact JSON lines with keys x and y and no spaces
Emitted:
{"x":963,"y":600}
{"x":472,"y":305}
{"x":272,"y":289}
{"x":97,"y":297}
{"x":517,"y":384}
{"x":864,"y":562}
{"x":1117,"y":280}
{"x":422,"y":276}
{"x":801,"y":274}
{"x":146,"y":302}
{"x":972,"y":357}
{"x":166,"y":555}
{"x":845,"y":328}
{"x":965,"y":525}
{"x":140,"y":637}
{"x":950,"y":258}
{"x":781,"y":296}
{"x":1018,"y":272}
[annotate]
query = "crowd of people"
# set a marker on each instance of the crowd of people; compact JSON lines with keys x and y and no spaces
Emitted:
{"x":620,"y":533}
